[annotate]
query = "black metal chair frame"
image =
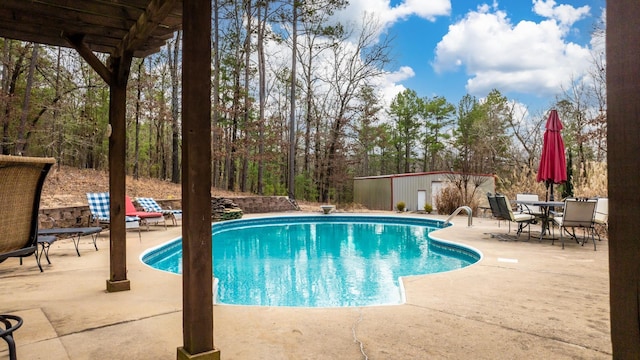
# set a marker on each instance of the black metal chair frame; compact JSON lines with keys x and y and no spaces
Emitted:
{"x":74,"y":233}
{"x":569,"y":220}
{"x":507,"y":213}
{"x":11,"y":323}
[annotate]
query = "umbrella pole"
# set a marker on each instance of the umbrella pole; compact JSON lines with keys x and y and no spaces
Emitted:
{"x":551,"y":192}
{"x":546,"y":193}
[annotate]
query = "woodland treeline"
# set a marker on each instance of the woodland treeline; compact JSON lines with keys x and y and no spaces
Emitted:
{"x":316,"y":132}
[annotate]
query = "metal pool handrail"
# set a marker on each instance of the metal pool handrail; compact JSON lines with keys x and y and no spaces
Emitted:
{"x":457,"y":211}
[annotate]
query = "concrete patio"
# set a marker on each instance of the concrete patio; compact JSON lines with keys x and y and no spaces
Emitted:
{"x":523,"y":300}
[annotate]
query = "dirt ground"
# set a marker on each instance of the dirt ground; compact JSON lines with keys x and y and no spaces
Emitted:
{"x":68,"y":187}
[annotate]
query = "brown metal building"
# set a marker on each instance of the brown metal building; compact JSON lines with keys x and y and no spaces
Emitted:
{"x":415,"y":189}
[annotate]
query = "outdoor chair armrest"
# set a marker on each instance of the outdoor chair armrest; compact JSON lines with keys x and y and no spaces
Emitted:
{"x":525,"y":209}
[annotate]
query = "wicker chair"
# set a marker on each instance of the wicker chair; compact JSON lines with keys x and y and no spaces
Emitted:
{"x":21,"y":180}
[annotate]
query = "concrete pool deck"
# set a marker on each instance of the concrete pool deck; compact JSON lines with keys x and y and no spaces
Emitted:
{"x":523,"y":300}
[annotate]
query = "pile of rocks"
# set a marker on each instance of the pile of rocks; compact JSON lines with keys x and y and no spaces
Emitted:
{"x":224,"y":209}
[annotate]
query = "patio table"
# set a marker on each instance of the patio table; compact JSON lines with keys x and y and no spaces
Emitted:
{"x":545,"y":215}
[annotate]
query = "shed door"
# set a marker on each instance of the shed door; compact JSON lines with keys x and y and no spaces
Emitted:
{"x":422,"y":199}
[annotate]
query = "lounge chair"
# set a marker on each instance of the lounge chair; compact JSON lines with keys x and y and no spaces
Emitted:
{"x":146,"y":218}
{"x":99,"y":207}
{"x":21,"y":180}
{"x":523,"y":219}
{"x":44,"y":242}
{"x":74,"y":233}
{"x":150,"y":205}
{"x":578,"y":213}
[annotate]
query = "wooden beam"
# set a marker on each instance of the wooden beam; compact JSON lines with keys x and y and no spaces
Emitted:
{"x":155,"y":13}
{"x":623,"y":143}
{"x":76,"y":41}
{"x":121,"y":67}
{"x":117,"y":174}
{"x":197,"y":266}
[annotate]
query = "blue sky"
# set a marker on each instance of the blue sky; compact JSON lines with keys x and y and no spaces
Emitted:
{"x":527,"y":49}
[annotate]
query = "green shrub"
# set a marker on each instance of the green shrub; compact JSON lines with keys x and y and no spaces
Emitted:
{"x":400,"y":206}
{"x":428,"y":208}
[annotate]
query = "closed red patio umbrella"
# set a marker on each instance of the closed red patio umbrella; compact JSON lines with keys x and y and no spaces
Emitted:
{"x":553,"y":164}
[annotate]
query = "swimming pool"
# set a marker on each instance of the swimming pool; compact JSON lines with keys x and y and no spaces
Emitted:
{"x":319,"y":261}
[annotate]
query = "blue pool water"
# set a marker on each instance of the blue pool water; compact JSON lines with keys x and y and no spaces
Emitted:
{"x":319,"y":261}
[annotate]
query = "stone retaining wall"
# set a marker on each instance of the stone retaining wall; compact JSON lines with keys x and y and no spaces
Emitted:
{"x":78,"y":216}
{"x":263,"y":204}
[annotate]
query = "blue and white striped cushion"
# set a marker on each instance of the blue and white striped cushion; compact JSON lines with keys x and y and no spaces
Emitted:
{"x":99,"y":207}
{"x":150,"y":205}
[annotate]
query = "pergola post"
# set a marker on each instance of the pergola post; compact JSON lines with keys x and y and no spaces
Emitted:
{"x":623,"y":147}
{"x":197,"y":265}
{"x":119,"y":68}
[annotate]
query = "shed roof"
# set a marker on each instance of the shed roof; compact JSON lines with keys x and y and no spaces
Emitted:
{"x":390,"y":176}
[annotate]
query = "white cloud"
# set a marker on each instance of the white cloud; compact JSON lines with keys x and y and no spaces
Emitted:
{"x":565,"y":15}
{"x":526,"y":57}
{"x":425,"y":9}
{"x":404,"y":73}
{"x":389,"y":85}
{"x":382,"y":10}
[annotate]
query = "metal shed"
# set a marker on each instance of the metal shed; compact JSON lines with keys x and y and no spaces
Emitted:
{"x":415,"y":189}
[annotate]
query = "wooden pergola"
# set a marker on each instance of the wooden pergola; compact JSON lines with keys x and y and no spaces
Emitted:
{"x":135,"y":28}
{"x":124,"y":29}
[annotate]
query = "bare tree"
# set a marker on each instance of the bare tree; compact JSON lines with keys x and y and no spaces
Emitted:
{"x":263,"y":10}
{"x":526,"y":134}
{"x":354,"y":66}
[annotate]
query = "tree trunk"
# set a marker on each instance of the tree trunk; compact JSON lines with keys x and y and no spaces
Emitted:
{"x":6,"y":81}
{"x":56,"y":114}
{"x":247,"y":104}
{"x":407,"y":156}
{"x":175,"y":113}
{"x":215,"y":135}
{"x":292,"y":115}
{"x":17,"y":70}
{"x":262,"y":75}
{"x":136,"y":151}
{"x":20,"y":141}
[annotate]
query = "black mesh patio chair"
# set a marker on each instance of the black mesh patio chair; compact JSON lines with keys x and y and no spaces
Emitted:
{"x":523,"y":219}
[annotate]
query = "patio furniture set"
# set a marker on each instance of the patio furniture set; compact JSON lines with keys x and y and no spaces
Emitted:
{"x":21,"y":181}
{"x":587,"y":214}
